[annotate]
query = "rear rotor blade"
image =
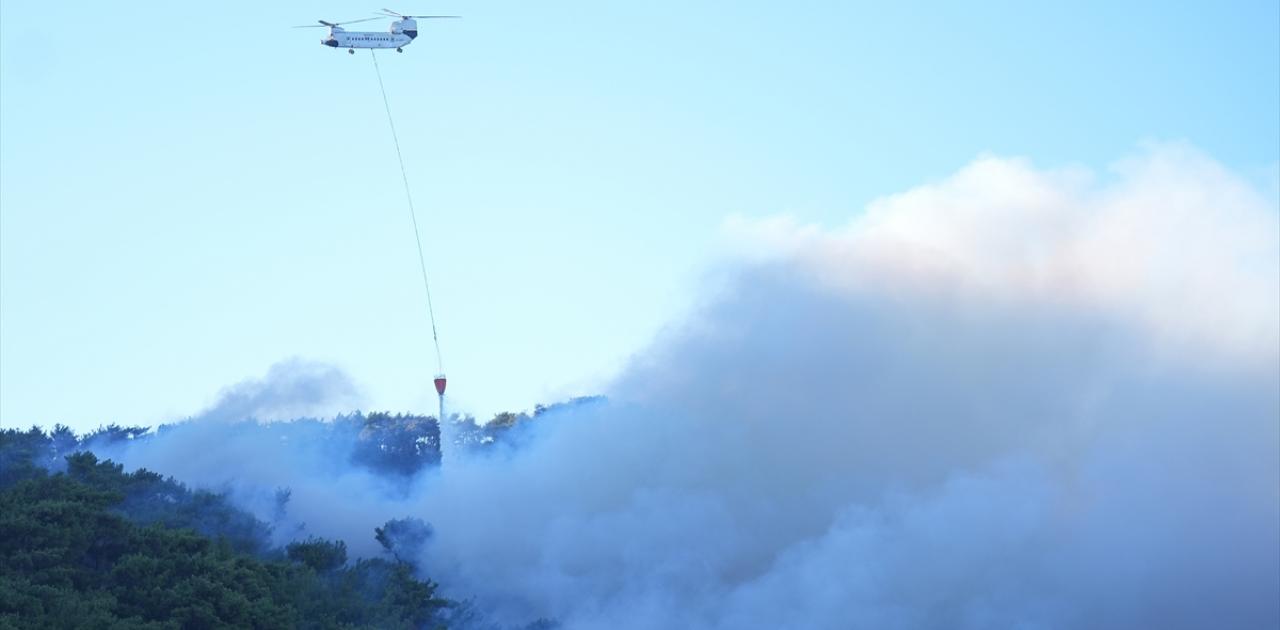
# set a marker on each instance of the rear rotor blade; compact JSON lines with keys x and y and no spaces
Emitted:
{"x":401,"y":15}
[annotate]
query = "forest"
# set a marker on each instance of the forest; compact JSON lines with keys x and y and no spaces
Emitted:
{"x":85,"y":544}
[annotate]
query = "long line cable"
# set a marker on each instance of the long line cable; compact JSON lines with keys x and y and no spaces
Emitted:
{"x":413,"y":215}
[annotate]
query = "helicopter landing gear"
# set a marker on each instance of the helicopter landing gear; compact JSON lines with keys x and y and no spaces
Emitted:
{"x":351,"y":51}
{"x":399,"y":50}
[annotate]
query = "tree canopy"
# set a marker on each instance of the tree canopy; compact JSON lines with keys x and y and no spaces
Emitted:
{"x":95,"y":547}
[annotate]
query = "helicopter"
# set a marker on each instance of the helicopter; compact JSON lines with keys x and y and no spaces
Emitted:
{"x":404,"y":29}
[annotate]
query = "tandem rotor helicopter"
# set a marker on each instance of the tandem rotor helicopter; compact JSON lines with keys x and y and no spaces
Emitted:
{"x":402,"y":32}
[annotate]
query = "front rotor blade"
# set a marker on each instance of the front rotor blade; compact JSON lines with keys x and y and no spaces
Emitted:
{"x":358,"y":21}
{"x":390,"y":12}
{"x":428,"y":17}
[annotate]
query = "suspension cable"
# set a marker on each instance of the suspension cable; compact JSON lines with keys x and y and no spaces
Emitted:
{"x":413,"y":215}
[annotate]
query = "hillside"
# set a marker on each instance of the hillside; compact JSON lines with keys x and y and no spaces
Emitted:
{"x":84,"y":544}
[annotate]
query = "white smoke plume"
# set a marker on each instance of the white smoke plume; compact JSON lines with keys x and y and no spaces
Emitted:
{"x":1010,"y":399}
{"x":329,"y":496}
{"x":293,"y":388}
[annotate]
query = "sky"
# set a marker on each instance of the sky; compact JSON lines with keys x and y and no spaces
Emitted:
{"x":191,"y":194}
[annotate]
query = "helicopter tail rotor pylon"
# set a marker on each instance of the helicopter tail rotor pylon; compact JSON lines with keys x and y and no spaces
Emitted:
{"x":390,"y":13}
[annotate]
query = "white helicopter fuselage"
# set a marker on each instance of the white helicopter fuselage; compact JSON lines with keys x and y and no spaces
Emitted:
{"x":401,"y":33}
{"x":348,"y":39}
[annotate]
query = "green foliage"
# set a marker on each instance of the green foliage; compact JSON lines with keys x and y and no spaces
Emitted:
{"x":23,"y":454}
{"x":507,"y":429}
{"x":85,"y":545}
{"x":323,"y":556}
{"x":146,"y":497}
{"x":69,"y":558}
{"x":399,"y":444}
{"x":393,"y":446}
{"x":403,"y":538}
{"x":113,"y":433}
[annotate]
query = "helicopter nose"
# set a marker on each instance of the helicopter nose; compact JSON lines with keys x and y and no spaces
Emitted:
{"x":332,"y":42}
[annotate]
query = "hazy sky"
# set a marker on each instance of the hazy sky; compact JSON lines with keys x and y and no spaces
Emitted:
{"x":191,"y":193}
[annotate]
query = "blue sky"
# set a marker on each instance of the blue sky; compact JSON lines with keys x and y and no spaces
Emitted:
{"x":193,"y":192}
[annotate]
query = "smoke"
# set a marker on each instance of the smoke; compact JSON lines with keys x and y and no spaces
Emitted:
{"x":299,"y":477}
{"x":1013,"y":398}
{"x":1168,"y":231}
{"x":293,"y":388}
